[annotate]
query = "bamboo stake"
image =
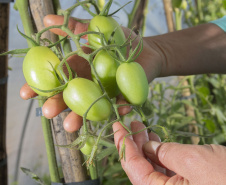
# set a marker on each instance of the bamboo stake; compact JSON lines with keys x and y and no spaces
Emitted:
{"x":186,"y":92}
{"x":169,"y":15}
{"x":71,"y":159}
{"x":4,"y":27}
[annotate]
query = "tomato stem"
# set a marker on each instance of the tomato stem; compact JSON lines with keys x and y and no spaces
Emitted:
{"x":119,"y":118}
{"x":143,"y":117}
{"x":82,"y":4}
{"x":50,"y":148}
{"x":39,"y":34}
{"x":85,"y":114}
{"x":22,"y":6}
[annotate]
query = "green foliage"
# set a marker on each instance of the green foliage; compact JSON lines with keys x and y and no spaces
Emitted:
{"x":210,"y":10}
{"x":209,"y":90}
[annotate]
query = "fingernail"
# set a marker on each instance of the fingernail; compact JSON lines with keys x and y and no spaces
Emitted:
{"x":151,"y":147}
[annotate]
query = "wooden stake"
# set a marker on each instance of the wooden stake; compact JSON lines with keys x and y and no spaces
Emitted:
{"x":169,"y":15}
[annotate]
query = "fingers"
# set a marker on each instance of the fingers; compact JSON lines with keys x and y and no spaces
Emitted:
{"x":26,"y":92}
{"x":75,"y":26}
{"x":154,"y":137}
{"x":80,"y":65}
{"x":54,"y":106}
{"x":123,"y":110}
{"x":185,"y":160}
{"x":72,"y":122}
{"x":138,"y":169}
{"x":141,"y":138}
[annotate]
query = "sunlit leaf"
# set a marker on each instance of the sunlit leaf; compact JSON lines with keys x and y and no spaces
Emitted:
{"x":210,"y":125}
{"x":32,"y":175}
{"x":105,"y":152}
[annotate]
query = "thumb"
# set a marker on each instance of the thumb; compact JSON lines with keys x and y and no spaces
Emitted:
{"x":188,"y":161}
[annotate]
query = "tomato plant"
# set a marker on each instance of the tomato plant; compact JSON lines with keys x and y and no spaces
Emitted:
{"x":106,"y":25}
{"x":132,"y":82}
{"x":80,"y":93}
{"x":38,"y":69}
{"x":106,"y":66}
{"x":87,"y":148}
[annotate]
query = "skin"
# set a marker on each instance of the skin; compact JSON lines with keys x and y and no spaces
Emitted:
{"x":195,"y":50}
{"x":171,"y":163}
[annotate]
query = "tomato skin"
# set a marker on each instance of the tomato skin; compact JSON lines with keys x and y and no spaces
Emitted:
{"x":106,"y":67}
{"x":132,"y":82}
{"x":38,"y":71}
{"x":105,"y":25}
{"x":80,"y":93}
{"x":87,"y":148}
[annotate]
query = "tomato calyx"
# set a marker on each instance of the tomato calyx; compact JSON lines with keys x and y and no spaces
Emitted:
{"x":106,"y":8}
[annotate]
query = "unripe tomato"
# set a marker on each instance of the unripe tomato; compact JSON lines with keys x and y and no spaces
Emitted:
{"x":184,"y":5}
{"x":101,"y":4}
{"x":87,"y":148}
{"x":105,"y":25}
{"x":38,"y":71}
{"x":80,"y":93}
{"x":132,"y":82}
{"x":106,"y":66}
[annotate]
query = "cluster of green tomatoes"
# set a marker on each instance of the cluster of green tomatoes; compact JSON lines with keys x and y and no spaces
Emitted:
{"x":111,"y":74}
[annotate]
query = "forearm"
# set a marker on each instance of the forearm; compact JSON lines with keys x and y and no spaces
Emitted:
{"x":197,"y":50}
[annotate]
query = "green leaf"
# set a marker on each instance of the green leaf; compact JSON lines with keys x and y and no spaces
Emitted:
{"x":113,"y":169}
{"x":119,"y":9}
{"x":28,"y":38}
{"x":210,"y":125}
{"x":205,"y":92}
{"x":219,"y":139}
{"x":105,"y":152}
{"x":176,"y":3}
{"x":214,"y":82}
{"x":189,"y":103}
{"x":224,"y":4}
{"x":147,"y":108}
{"x":16,"y":51}
{"x":189,"y":134}
{"x":76,"y":144}
{"x":32,"y":175}
{"x":176,"y":106}
{"x":220,"y":115}
{"x":58,"y":42}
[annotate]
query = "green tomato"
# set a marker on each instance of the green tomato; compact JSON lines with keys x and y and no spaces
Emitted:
{"x":105,"y":25}
{"x":80,"y":93}
{"x":184,"y":5}
{"x":38,"y":71}
{"x":106,"y":67}
{"x":132,"y":82}
{"x":87,"y":148}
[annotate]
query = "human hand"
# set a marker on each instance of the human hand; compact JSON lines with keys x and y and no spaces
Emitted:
{"x":54,"y":105}
{"x":171,"y":163}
